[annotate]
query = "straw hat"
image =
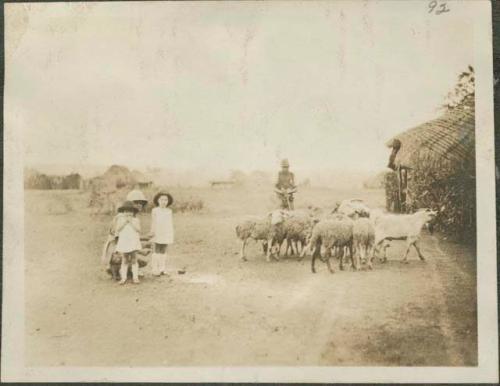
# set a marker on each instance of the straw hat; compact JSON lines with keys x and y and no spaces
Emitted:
{"x":158,"y":195}
{"x":137,"y":195}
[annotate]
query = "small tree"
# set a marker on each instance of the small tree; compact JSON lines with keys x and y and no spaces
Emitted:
{"x":445,"y":185}
{"x":463,"y":95}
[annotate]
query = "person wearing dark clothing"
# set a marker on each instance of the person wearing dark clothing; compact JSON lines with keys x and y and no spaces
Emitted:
{"x":285,"y":186}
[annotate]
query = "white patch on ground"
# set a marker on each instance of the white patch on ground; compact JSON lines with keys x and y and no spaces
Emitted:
{"x":202,"y":279}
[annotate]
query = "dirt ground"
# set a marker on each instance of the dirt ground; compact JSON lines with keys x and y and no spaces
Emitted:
{"x":223,"y":311}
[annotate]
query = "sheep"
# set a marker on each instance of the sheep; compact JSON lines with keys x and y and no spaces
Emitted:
{"x":363,"y":241}
{"x":340,"y":252}
{"x":297,"y":227}
{"x":353,"y":208}
{"x":334,"y":233}
{"x":276,"y":233}
{"x":401,"y":227}
{"x":244,"y":233}
{"x":269,"y":230}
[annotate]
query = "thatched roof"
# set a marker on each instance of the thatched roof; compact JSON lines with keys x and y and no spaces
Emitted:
{"x":449,"y":138}
{"x":114,"y":178}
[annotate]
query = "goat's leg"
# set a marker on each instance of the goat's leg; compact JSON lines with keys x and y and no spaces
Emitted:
{"x":304,"y":250}
{"x":418,"y":251}
{"x":295,"y":249}
{"x":360,"y":253}
{"x":272,"y":244}
{"x":409,"y":243}
{"x":242,"y":252}
{"x":354,"y":259}
{"x":264,"y":247}
{"x":314,"y":257}
{"x":376,"y":250}
{"x":345,"y":261}
{"x":288,"y":246}
{"x":340,"y":252}
{"x":278,"y":249}
{"x":328,"y":255}
{"x":355,"y":252}
{"x":269,"y":250}
{"x":369,"y":256}
{"x":386,"y":245}
{"x":299,"y":250}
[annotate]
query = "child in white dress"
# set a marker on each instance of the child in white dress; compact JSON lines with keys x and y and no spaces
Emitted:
{"x":162,"y":231}
{"x":128,"y":230}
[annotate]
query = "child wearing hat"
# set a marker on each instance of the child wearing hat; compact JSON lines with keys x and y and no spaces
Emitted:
{"x":162,"y":231}
{"x":138,"y":198}
{"x":129,"y":243}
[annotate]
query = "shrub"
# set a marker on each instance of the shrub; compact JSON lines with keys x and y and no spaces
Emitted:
{"x":189,"y":205}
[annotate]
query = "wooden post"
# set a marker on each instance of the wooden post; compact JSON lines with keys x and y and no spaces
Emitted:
{"x":404,"y":187}
{"x":398,"y":203}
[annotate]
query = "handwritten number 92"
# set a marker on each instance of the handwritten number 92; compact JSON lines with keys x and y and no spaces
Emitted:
{"x":438,"y":7}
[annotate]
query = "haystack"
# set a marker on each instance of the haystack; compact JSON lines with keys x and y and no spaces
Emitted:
{"x":109,"y":189}
{"x":141,"y":180}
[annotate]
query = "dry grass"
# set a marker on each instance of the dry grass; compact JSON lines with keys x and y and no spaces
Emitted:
{"x":226,"y":312}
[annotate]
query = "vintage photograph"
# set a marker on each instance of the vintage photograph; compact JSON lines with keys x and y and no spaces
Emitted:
{"x":248,"y":184}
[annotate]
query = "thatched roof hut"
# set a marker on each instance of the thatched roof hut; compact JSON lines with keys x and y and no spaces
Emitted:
{"x":434,"y":166}
{"x":449,"y":139}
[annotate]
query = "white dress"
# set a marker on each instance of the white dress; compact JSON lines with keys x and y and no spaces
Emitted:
{"x":162,"y":226}
{"x":128,"y":238}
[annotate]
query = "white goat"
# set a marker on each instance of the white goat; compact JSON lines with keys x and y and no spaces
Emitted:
{"x":401,"y":227}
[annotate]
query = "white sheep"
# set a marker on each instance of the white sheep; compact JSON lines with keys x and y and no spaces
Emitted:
{"x":407,"y":227}
{"x":269,"y":230}
{"x":297,"y":228}
{"x":333,"y":235}
{"x":244,"y":233}
{"x":353,"y":208}
{"x":363,"y":241}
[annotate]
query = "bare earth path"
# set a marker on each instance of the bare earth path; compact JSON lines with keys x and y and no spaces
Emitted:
{"x":227,"y":312}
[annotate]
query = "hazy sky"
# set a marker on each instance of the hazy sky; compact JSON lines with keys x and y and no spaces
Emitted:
{"x":227,"y":85}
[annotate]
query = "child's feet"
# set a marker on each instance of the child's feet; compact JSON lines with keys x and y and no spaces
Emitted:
{"x":135,"y":281}
{"x":121,"y":282}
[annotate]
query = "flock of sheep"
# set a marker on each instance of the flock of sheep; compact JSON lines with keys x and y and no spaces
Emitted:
{"x":352,"y":230}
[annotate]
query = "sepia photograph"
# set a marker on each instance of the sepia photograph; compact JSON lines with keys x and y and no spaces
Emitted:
{"x":279,"y":191}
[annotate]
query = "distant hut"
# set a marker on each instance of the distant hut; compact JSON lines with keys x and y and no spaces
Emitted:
{"x":434,"y":166}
